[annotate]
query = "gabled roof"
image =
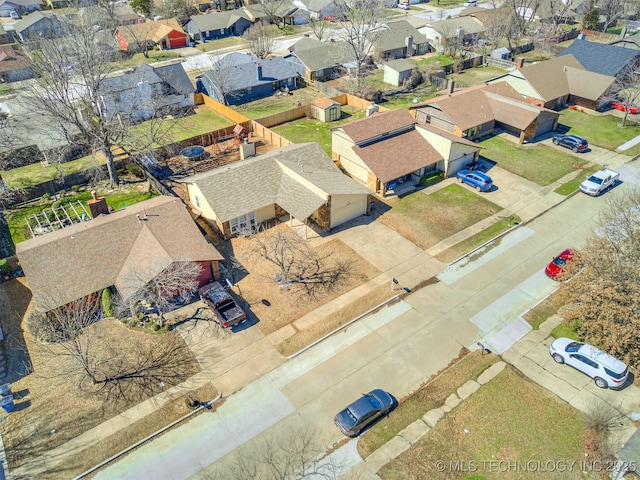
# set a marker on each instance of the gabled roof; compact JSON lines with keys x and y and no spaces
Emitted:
{"x":139,"y":32}
{"x":34,"y":18}
{"x":324,"y":103}
{"x":294,"y":177}
{"x":315,"y":5}
{"x":126,"y":248}
{"x":219,"y":20}
{"x":377,"y":124}
{"x":23,"y":3}
{"x":398,"y":155}
{"x":327,"y":55}
{"x":306,"y":43}
{"x":241,"y":71}
{"x":394,"y":35}
{"x":601,"y":58}
{"x":400,"y":65}
{"x":11,"y":59}
{"x":632,"y":42}
{"x":172,"y":74}
{"x":449,"y":28}
{"x":474,"y":106}
{"x":448,"y":135}
{"x":489,"y":17}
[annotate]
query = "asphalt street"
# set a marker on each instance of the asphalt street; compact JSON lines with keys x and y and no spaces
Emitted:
{"x":397,"y":349}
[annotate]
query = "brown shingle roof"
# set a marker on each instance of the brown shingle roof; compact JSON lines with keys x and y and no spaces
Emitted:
{"x":116,"y":249}
{"x":324,"y":103}
{"x":152,"y":31}
{"x":549,"y":77}
{"x":10,"y":59}
{"x":378,"y":124}
{"x":398,"y":155}
{"x":448,"y":135}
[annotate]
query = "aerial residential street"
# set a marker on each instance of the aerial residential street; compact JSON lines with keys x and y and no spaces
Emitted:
{"x":396,"y":349}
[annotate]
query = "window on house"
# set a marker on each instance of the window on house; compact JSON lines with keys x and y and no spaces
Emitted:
{"x":427,"y":119}
{"x":197,"y":201}
{"x":243,"y":222}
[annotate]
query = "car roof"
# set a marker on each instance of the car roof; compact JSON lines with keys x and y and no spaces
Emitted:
{"x":603,"y":358}
{"x":576,"y":137}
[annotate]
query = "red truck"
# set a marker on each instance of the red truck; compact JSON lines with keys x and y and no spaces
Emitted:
{"x":227,"y":311}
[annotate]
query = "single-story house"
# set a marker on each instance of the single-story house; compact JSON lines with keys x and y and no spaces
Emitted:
{"x":19,"y":6}
{"x":283,"y":12}
{"x":298,"y":181}
{"x":215,"y":25}
{"x":317,"y":9}
{"x":397,"y":71}
{"x":38,"y":25}
{"x":323,"y":61}
{"x":14,"y":66}
{"x":124,"y":249}
{"x":476,"y":111}
{"x":167,"y":34}
{"x":453,"y":32}
{"x":386,"y":148}
{"x":238,"y":78}
{"x":123,"y":14}
{"x":556,"y":82}
{"x":147,"y":91}
{"x":326,"y":110}
{"x":5,"y":37}
{"x":602,"y":58}
{"x":399,"y":40}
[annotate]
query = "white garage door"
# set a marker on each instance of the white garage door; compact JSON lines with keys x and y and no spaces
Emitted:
{"x":356,"y":207}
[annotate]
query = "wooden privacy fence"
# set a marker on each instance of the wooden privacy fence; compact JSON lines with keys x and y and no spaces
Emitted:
{"x":269,"y":135}
{"x":202,"y":99}
{"x":283,"y":117}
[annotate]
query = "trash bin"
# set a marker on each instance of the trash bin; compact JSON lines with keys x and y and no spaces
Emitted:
{"x":7,"y":403}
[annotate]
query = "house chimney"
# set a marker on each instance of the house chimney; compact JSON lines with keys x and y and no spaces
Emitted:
{"x":97,"y":206}
{"x":519,"y":63}
{"x":259,"y":70}
{"x":450,"y":87}
{"x":408,"y":42}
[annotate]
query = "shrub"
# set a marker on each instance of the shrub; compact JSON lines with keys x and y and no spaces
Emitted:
{"x":107,"y":302}
{"x":4,"y":267}
{"x":46,"y":196}
{"x":155,"y":327}
{"x":56,"y":204}
{"x":432,"y":178}
{"x":75,"y":188}
{"x":135,"y":169}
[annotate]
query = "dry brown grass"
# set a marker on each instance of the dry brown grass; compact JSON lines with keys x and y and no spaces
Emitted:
{"x":275,"y":307}
{"x":307,"y":336}
{"x":51,"y":411}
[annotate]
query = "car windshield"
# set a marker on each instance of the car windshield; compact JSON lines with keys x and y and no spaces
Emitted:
{"x":559,"y":261}
{"x":375,"y":401}
{"x":574,"y":346}
{"x":595,"y":179}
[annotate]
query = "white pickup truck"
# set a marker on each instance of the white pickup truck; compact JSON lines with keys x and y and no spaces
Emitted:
{"x":599,"y":182}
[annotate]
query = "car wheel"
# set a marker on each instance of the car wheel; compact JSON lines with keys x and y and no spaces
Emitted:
{"x":558,"y":358}
{"x":555,"y":142}
{"x":575,"y":149}
{"x":459,"y":179}
{"x":478,"y":188}
{"x":600,"y":383}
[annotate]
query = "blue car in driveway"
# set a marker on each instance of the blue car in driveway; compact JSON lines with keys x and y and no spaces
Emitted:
{"x":477,"y":180}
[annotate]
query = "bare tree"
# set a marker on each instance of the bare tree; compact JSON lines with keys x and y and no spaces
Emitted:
{"x":628,"y":87}
{"x":297,"y":266}
{"x":523,"y":15}
{"x":259,"y":40}
{"x":295,"y":454}
{"x":602,"y":301}
{"x":77,"y":347}
{"x":175,"y":284}
{"x":220,"y":75}
{"x":181,"y":10}
{"x":273,"y":9}
{"x":318,"y":27}
{"x":613,"y":10}
{"x":360,"y":27}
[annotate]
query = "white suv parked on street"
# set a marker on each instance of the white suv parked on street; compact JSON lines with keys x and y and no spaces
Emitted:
{"x":606,"y":371}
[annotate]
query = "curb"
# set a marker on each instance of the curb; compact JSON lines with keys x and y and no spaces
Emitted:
{"x":342,"y":327}
{"x":147,"y":438}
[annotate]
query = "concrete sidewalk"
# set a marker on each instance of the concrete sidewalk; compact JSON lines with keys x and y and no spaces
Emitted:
{"x":250,"y":355}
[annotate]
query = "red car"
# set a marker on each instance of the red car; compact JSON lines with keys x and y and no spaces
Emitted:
{"x":554,"y":269}
{"x":631,"y":108}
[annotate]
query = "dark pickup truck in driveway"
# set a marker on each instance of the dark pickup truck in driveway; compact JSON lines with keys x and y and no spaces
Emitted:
{"x":222,"y":303}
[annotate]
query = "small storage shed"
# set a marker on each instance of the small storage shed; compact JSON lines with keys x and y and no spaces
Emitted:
{"x":397,"y":71}
{"x":501,"y":53}
{"x":326,"y":110}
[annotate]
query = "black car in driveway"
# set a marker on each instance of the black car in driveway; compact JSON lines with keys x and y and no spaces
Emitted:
{"x":574,"y":142}
{"x":364,"y":412}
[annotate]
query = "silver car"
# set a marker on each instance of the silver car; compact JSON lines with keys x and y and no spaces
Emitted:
{"x":606,"y":370}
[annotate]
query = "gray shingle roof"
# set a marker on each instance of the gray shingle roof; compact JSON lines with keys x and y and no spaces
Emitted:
{"x":395,"y":34}
{"x":448,"y":28}
{"x":400,"y":65}
{"x":285,"y":176}
{"x":243,"y":71}
{"x":601,"y":58}
{"x":115,"y":249}
{"x":316,"y":5}
{"x":305,"y":43}
{"x":34,"y":18}
{"x":326,"y":56}
{"x":172,"y":74}
{"x":218,"y":20}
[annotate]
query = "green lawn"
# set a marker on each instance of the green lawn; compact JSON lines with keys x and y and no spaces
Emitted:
{"x":272,"y":105}
{"x":435,"y":60}
{"x":539,"y":163}
{"x":35,"y":174}
{"x":16,"y":218}
{"x":427,"y":219}
{"x":306,"y":130}
{"x":509,"y":420}
{"x":602,"y":130}
{"x":573,"y":185}
{"x":138,"y":58}
{"x":213,"y":45}
{"x":476,"y":76}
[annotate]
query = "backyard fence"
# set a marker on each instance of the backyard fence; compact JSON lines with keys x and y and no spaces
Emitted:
{"x":499,"y":62}
{"x":202,"y":99}
{"x":269,"y":135}
{"x":326,"y":89}
{"x":283,"y":117}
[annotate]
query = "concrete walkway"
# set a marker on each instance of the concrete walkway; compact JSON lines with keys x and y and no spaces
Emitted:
{"x":249,"y":355}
